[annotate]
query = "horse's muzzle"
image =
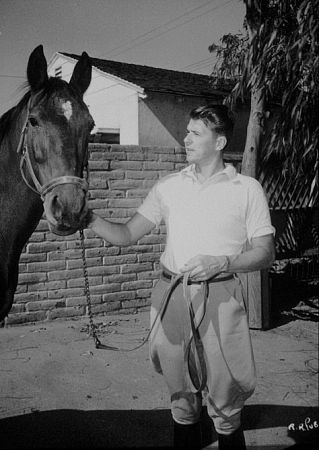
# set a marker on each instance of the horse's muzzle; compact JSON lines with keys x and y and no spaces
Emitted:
{"x":65,"y":207}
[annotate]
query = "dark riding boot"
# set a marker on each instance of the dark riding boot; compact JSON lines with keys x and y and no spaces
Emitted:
{"x":236,"y":440}
{"x":187,"y":436}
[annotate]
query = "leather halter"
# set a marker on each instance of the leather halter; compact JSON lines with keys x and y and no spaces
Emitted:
{"x":42,"y":190}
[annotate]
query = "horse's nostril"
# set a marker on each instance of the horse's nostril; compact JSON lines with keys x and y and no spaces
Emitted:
{"x":56,"y":207}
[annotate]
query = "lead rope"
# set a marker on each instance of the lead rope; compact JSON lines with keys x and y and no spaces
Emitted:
{"x":92,"y":326}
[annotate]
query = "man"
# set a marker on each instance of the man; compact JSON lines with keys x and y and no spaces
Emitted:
{"x":200,"y":338}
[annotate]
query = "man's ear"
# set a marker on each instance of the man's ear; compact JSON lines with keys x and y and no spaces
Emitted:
{"x":221,"y":143}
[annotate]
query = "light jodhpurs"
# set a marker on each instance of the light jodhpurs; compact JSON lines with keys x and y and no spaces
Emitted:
{"x":224,"y":331}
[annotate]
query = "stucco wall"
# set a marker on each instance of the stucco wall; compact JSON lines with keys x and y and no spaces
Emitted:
{"x":111,"y":103}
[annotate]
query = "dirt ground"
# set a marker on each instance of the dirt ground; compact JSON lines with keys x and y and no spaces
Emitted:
{"x":58,"y":391}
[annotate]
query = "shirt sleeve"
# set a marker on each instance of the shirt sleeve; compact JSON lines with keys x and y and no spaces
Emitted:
{"x":258,"y":219}
{"x":151,"y":206}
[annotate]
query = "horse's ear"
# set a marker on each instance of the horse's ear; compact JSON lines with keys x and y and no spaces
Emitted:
{"x":81,"y":77}
{"x":37,"y":69}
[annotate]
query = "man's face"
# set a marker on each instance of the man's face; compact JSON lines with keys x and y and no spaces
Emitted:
{"x":201,"y":143}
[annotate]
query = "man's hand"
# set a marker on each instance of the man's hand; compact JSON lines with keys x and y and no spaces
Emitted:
{"x":87,"y":220}
{"x":204,"y":267}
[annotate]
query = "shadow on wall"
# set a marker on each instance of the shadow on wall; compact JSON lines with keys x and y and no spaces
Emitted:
{"x":139,"y":428}
{"x":164,"y":119}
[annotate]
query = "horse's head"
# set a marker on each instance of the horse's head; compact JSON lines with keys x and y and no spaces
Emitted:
{"x":54,"y":144}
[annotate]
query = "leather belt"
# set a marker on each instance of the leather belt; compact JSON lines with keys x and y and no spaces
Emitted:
{"x":167,"y":275}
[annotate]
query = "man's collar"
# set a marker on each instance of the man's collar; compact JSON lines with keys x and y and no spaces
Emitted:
{"x":229,"y":171}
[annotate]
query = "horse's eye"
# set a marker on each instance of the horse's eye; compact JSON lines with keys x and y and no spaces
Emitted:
{"x":33,"y":122}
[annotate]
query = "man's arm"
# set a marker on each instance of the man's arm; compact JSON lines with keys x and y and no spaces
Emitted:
{"x":121,"y":233}
{"x":261,"y":255}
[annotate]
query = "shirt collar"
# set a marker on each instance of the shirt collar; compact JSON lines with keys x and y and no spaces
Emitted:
{"x":229,"y":172}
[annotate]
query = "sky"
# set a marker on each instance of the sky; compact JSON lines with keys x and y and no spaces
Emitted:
{"x":171,"y":34}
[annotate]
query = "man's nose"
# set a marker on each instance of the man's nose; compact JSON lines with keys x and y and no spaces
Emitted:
{"x":187,"y":140}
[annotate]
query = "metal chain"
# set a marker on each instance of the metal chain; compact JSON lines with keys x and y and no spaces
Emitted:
{"x":88,"y":294}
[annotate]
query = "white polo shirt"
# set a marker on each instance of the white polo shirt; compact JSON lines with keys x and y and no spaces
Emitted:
{"x":216,"y":217}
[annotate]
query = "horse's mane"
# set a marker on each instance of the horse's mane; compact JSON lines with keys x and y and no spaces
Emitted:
{"x":9,"y":118}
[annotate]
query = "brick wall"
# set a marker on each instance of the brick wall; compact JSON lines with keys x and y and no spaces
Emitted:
{"x":51,"y":282}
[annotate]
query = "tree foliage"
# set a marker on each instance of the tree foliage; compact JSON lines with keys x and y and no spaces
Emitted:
{"x":281,"y":59}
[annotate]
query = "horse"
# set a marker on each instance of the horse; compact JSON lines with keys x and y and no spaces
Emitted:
{"x":43,"y":159}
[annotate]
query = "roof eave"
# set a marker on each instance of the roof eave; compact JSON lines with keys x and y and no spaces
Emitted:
{"x":125,"y":83}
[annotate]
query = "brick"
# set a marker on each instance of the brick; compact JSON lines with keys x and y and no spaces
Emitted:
{"x":129,"y":268}
{"x":44,"y":305}
{"x":78,"y":282}
{"x":119,"y":296}
{"x":33,"y":257}
{"x":99,"y":193}
{"x":61,"y":293}
{"x":98,"y":155}
{"x":105,"y":288}
{"x":124,"y":184}
{"x":27,"y":317}
{"x":46,"y":266}
{"x":126,"y":165}
{"x":73,"y":253}
{"x":116,"y":260}
{"x":66,"y":312}
{"x":64,"y":274}
{"x":157,"y":149}
{"x":30,"y":297}
{"x":88,"y":243}
{"x":103,"y":271}
{"x":144,"y":293}
{"x":82,"y":300}
{"x":35,"y":287}
{"x":152,"y":239}
{"x":37,"y":237}
{"x":78,"y":263}
{"x":134,"y":285}
{"x":140,"y":193}
{"x":41,"y":247}
{"x":99,"y":165}
{"x":97,"y":183}
{"x":42,"y":225}
{"x":142,"y":156}
{"x":142,"y":175}
{"x":149,"y":257}
{"x":150,"y":275}
{"x":119,"y":278}
{"x":27,"y":278}
{"x":106,"y":307}
{"x":136,"y":249}
{"x":56,"y":284}
{"x":136,"y":303}
{"x":102,"y":252}
{"x":17,"y":308}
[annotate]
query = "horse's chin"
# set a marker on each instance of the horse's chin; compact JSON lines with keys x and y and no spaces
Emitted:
{"x":61,"y":230}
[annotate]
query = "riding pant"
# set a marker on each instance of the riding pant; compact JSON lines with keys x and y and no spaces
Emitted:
{"x":221,"y":320}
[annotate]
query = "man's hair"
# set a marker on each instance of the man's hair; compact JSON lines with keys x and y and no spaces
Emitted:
{"x":216,"y":117}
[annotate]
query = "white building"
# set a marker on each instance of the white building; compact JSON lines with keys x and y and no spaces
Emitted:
{"x":139,"y":105}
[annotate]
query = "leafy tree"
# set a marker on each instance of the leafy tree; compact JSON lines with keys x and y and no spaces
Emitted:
{"x":276,"y":61}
